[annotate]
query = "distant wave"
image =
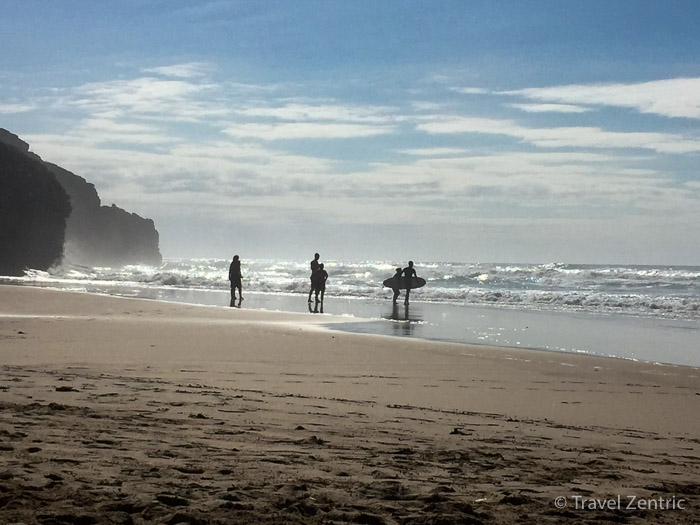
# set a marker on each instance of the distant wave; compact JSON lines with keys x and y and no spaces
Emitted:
{"x":661,"y":291}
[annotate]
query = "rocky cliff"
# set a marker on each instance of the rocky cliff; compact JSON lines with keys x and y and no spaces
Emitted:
{"x":98,"y":235}
{"x":34,"y":209}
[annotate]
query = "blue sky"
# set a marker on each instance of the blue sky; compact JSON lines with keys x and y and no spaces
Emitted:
{"x":435,"y":130}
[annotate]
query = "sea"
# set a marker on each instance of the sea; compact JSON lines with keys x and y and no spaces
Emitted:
{"x":644,"y":313}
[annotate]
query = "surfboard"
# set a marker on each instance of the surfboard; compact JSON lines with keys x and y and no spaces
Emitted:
{"x":416,"y":282}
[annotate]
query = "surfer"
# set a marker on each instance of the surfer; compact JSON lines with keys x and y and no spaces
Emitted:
{"x":318,"y":281}
{"x":396,"y":284}
{"x":234,"y":275}
{"x":408,"y":273}
{"x":314,"y":268}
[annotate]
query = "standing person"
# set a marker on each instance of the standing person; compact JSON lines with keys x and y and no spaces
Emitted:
{"x":408,"y":273}
{"x":315,"y":265}
{"x":318,"y":281}
{"x":234,"y":275}
{"x":396,"y":284}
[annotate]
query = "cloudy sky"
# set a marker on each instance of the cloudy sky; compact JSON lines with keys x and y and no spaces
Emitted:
{"x":510,"y":131}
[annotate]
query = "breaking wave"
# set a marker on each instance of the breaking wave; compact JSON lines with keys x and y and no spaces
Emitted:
{"x":662,"y":291}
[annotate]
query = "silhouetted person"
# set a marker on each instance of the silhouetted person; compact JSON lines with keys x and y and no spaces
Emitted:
{"x":234,"y":275}
{"x":318,"y":282}
{"x":314,"y":268}
{"x":408,"y":273}
{"x":396,"y":286}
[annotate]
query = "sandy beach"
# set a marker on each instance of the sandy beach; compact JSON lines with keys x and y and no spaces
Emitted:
{"x":127,"y":411}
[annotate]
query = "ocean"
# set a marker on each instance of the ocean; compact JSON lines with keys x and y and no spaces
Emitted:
{"x":649,"y":313}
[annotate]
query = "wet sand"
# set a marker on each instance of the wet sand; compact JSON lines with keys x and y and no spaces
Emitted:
{"x":130,"y":411}
{"x":655,"y":339}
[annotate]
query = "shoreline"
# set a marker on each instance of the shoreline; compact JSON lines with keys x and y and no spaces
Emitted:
{"x":133,"y":411}
{"x":640,"y":339}
{"x":79,"y":308}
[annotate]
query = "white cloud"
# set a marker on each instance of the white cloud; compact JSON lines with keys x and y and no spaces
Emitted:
{"x":101,"y":130}
{"x":253,"y":89}
{"x":224,"y":150}
{"x":431,"y":152}
{"x":471,"y":91}
{"x":248,"y":182}
{"x":425,"y":105}
{"x":578,"y":137}
{"x":170,"y":99}
{"x":305,"y":130}
{"x":550,"y":108}
{"x":307,"y":112}
{"x":102,"y":124}
{"x":677,"y":97}
{"x":9,"y":109}
{"x":173,"y":142}
{"x":211,"y":177}
{"x":188,"y":70}
{"x":521,"y":185}
{"x":186,"y":100}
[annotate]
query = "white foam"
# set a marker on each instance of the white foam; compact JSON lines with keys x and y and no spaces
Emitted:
{"x":667,"y":292}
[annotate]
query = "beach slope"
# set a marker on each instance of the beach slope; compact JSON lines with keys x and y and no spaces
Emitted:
{"x":130,"y":411}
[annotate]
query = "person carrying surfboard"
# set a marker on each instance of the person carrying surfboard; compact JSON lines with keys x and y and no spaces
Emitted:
{"x":404,"y":279}
{"x":409,"y":272}
{"x":396,"y":284}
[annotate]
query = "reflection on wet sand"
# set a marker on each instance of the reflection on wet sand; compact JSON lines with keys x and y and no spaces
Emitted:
{"x":406,"y":320}
{"x":317,"y":309}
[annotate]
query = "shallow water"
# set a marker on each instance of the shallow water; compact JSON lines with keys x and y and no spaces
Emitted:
{"x":652,"y":291}
{"x":654,"y":339}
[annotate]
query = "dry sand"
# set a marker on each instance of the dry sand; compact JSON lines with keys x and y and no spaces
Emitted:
{"x":130,"y":411}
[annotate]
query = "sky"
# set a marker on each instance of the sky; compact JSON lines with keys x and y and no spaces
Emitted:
{"x":472,"y":131}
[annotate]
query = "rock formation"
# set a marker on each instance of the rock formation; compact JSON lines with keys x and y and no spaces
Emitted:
{"x":34,"y":209}
{"x":97,"y":235}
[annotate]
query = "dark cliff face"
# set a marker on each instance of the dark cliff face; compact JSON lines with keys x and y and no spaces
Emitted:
{"x":97,"y":235}
{"x":34,"y":209}
{"x":104,"y":235}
